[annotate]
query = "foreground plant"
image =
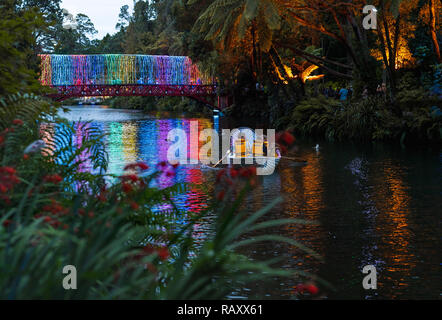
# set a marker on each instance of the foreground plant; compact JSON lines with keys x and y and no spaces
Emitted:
{"x":60,"y":208}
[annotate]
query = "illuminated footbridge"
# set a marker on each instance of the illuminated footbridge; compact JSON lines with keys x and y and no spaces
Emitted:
{"x":125,"y":75}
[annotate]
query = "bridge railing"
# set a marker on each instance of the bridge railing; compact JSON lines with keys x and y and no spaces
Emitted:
{"x":120,"y":69}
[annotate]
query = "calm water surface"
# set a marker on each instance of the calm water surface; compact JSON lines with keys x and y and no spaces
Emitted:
{"x":375,"y":204}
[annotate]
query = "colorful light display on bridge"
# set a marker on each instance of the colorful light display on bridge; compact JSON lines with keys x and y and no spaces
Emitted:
{"x":115,"y":69}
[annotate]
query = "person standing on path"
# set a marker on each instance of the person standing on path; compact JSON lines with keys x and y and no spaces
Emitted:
{"x":343,"y":93}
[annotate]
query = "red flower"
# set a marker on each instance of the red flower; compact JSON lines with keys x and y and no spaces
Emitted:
{"x":220,"y":195}
{"x":25,"y":156}
{"x":55,"y":208}
{"x":148,"y":249}
{"x":126,"y":187}
{"x":300,"y":288}
{"x":17,"y":122}
{"x":170,"y":174}
{"x":91,"y":214}
{"x":130,"y":177}
{"x":7,"y":223}
{"x":286,"y":138}
{"x":8,"y":170}
{"x":143,"y":166}
{"x":8,"y":180}
{"x":53,"y":178}
{"x":55,"y":223}
{"x":233,"y":172}
{"x":247,"y":172}
{"x":3,"y":188}
{"x":134,"y":205}
{"x":289,"y":138}
{"x":136,"y":165}
{"x":163,"y":253}
{"x":312,"y":289}
{"x":162,"y":165}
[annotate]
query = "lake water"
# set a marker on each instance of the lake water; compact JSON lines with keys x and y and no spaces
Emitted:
{"x":376,"y":205}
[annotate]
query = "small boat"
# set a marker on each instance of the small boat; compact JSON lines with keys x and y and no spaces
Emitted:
{"x":247,"y":149}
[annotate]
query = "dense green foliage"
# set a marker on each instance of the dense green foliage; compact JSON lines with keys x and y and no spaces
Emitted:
{"x":18,"y":63}
{"x":268,"y":55}
{"x":364,"y":120}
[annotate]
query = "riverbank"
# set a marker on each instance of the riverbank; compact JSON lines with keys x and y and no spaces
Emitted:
{"x":371,"y":119}
{"x":174,"y":104}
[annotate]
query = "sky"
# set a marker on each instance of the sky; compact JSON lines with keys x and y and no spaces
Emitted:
{"x":103,"y":13}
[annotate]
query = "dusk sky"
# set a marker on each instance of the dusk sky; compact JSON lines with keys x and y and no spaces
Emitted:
{"x":103,"y":13}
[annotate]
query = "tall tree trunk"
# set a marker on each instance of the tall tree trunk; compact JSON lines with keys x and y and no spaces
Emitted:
{"x":391,"y":47}
{"x":279,"y":64}
{"x":253,"y":50}
{"x":432,"y":8}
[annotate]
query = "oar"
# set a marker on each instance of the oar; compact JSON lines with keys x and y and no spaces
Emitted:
{"x":227,"y":153}
{"x":294,"y":159}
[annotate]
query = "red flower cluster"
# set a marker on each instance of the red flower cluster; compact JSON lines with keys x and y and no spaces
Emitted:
{"x":229,"y":178}
{"x":284,"y":140}
{"x":162,"y":252}
{"x":134,"y":205}
{"x":226,"y":175}
{"x":55,"y":208}
{"x":131,"y":181}
{"x":8,"y":179}
{"x":53,"y":178}
{"x":310,"y":288}
{"x":82,"y":212}
{"x":136,"y":166}
{"x":167,"y":169}
{"x":50,"y":213}
{"x":130,"y":177}
{"x":17,"y":122}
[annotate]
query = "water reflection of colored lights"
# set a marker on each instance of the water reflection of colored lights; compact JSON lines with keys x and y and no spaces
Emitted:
{"x":146,"y":140}
{"x":304,"y":200}
{"x":393,"y":227}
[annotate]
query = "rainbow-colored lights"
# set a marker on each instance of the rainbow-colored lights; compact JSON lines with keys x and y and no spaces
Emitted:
{"x":114,"y":69}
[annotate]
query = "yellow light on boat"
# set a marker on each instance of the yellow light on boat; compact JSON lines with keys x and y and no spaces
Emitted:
{"x":240,"y":147}
{"x":258,"y":148}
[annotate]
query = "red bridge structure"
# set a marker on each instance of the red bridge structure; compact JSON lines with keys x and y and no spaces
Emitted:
{"x":127,"y":75}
